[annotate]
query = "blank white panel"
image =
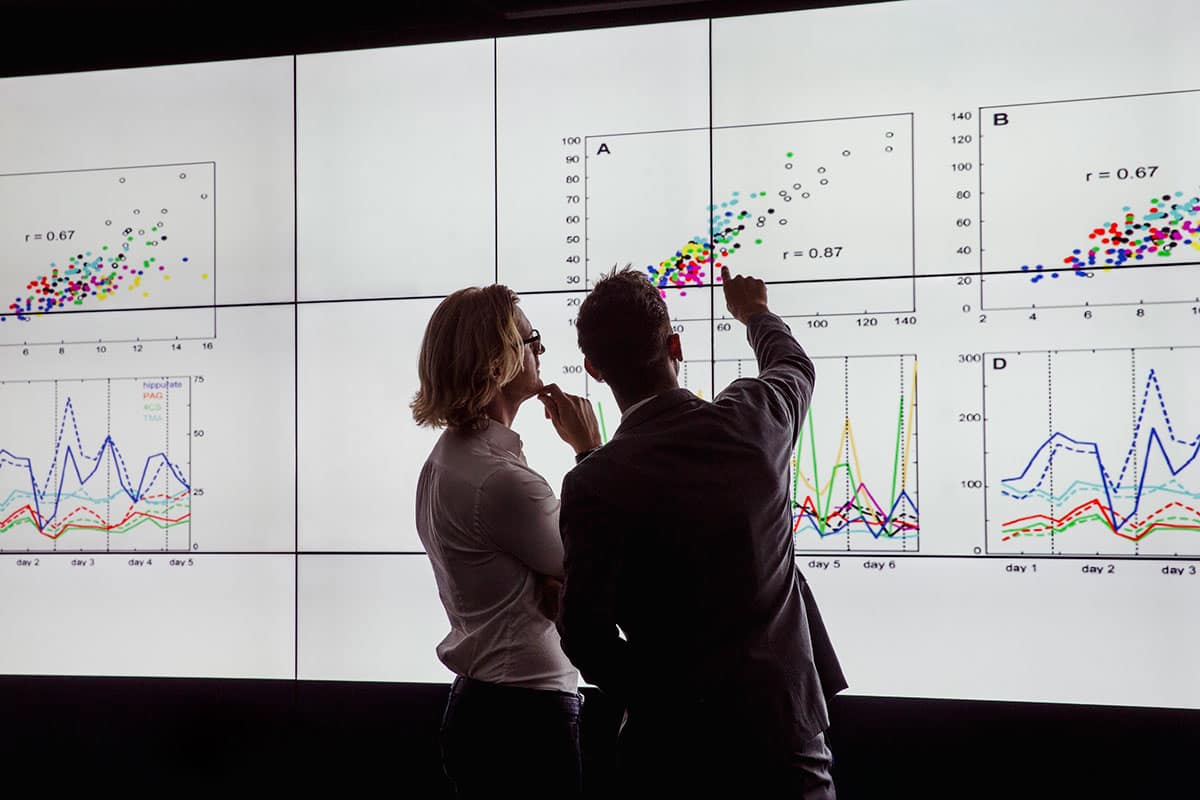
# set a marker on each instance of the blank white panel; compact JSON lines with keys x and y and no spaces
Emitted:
{"x":370,"y":618}
{"x":359,"y":450}
{"x":213,"y":616}
{"x":396,"y":170}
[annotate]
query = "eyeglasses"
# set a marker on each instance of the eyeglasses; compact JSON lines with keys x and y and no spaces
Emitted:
{"x":535,"y":339}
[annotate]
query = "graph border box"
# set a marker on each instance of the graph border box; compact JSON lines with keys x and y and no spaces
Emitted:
{"x":984,"y":274}
{"x":189,"y":379}
{"x":911,"y":276}
{"x":213,"y":305}
{"x":987,"y":552}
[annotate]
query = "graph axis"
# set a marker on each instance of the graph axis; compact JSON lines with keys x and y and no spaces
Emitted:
{"x":138,"y":340}
{"x":1130,"y":304}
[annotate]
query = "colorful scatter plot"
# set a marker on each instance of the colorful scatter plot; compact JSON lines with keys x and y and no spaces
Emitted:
{"x":730,"y":219}
{"x":689,"y":265}
{"x":1168,"y":224}
{"x":84,"y":278}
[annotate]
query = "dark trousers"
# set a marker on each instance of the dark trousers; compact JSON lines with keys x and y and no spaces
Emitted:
{"x":506,"y":741}
{"x":682,"y":760}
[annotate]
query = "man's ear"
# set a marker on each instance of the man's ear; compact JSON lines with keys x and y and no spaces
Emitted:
{"x":675,"y":347}
{"x":591,"y":370}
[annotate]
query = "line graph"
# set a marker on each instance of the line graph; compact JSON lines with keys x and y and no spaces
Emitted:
{"x":1112,"y":472}
{"x":114,"y":474}
{"x":854,"y":472}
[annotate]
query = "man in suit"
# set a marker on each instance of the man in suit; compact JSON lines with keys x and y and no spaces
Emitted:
{"x":682,"y":598}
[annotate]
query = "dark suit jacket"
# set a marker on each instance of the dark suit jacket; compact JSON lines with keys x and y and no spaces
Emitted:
{"x":679,"y":531}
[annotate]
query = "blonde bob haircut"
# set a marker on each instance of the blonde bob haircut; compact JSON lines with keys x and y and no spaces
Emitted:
{"x":471,"y":349}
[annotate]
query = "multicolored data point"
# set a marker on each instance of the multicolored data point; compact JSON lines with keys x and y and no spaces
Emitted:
{"x":91,"y":277}
{"x":1168,"y":224}
{"x":691,"y":263}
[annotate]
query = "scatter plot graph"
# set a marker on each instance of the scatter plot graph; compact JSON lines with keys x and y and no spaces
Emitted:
{"x":787,"y":202}
{"x":1069,"y":218}
{"x":854,"y":472}
{"x":96,"y":465}
{"x":645,"y":197}
{"x":1093,"y":452}
{"x":129,"y":238}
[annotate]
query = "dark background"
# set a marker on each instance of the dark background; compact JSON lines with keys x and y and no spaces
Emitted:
{"x":290,"y":736}
{"x":239,"y":736}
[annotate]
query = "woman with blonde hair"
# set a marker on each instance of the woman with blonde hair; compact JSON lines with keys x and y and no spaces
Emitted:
{"x":489,"y":523}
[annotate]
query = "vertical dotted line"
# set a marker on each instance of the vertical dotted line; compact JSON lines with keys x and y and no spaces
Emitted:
{"x":53,"y":438}
{"x":188,"y":432}
{"x":896,"y":506}
{"x":109,"y":466}
{"x":846,"y":448}
{"x":1133,"y":411}
{"x":1050,"y":434}
{"x":167,"y":471}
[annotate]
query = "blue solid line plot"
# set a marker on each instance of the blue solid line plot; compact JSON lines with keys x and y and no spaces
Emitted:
{"x":1141,"y":497}
{"x":894,"y":524}
{"x":27,"y":502}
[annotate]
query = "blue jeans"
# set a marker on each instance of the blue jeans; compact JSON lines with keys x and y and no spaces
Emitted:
{"x":507,"y":741}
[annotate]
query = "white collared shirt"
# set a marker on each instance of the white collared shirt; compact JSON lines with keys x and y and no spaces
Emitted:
{"x":490,"y":526}
{"x":636,"y":406}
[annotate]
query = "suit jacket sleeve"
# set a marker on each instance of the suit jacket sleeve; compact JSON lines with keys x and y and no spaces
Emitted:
{"x":786,"y":375}
{"x":587,"y":624}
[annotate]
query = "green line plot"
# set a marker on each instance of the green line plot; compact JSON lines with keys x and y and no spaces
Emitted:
{"x":854,"y":471}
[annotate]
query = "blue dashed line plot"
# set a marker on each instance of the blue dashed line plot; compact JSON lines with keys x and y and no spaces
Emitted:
{"x":1093,"y":452}
{"x":96,"y":465}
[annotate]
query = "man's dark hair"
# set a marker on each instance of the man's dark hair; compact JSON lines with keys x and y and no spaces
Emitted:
{"x":623,"y":328}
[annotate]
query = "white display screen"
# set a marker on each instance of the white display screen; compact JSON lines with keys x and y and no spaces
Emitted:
{"x":982,"y":223}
